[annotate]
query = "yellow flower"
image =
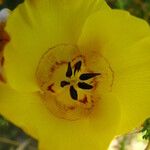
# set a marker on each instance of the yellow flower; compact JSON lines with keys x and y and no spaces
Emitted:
{"x":77,"y":72}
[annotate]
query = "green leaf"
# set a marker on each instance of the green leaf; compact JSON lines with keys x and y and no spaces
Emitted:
{"x":146,"y":129}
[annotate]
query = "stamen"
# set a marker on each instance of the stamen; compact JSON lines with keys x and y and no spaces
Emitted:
{"x":77,"y":66}
{"x":85,"y":86}
{"x":73,"y":93}
{"x":69,"y":71}
{"x":64,"y":83}
{"x":87,"y":76}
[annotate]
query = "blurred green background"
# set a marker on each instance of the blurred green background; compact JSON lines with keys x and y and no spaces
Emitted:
{"x":13,"y":138}
{"x":139,"y":8}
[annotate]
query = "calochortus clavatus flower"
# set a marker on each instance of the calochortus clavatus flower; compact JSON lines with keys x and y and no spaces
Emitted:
{"x":77,"y":73}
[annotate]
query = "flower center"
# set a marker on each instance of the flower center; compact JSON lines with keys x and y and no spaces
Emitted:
{"x":71,"y":86}
{"x":77,"y":81}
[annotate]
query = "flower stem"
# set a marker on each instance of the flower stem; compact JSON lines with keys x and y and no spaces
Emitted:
{"x":8,"y":141}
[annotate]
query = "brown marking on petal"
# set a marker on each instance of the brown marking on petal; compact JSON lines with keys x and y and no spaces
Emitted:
{"x":71,"y":107}
{"x":2,"y":61}
{"x":50,"y":88}
{"x":2,"y":78}
{"x":79,"y":57}
{"x":113,"y":76}
{"x":84,"y":100}
{"x":112,"y":71}
{"x":56,"y":65}
{"x":95,"y":84}
{"x":92,"y":101}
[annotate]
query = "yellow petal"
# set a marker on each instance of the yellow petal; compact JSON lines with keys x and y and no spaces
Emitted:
{"x":29,"y":112}
{"x":36,"y":26}
{"x":132,"y":85}
{"x":110,"y":31}
{"x":118,"y":37}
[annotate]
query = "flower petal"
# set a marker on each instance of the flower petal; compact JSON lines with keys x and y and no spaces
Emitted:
{"x":132,"y":85}
{"x":110,"y":31}
{"x":94,"y":133}
{"x":34,"y":27}
{"x":119,"y":38}
{"x":29,"y":112}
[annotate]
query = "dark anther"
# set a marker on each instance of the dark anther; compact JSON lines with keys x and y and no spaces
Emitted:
{"x":84,"y":85}
{"x":69,"y":70}
{"x":73,"y":93}
{"x":87,"y":76}
{"x":77,"y":66}
{"x":64,"y":83}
